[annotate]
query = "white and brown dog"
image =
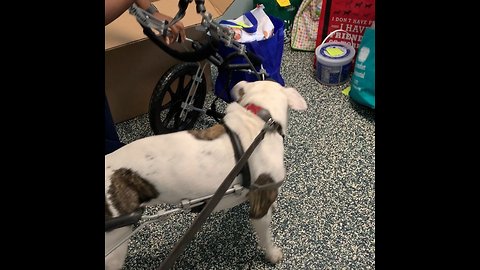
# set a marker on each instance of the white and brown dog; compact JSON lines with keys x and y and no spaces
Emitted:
{"x":192,"y":164}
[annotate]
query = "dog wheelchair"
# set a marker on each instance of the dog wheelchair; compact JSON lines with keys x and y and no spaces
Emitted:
{"x":177,"y":102}
{"x":178,"y":98}
{"x":138,"y":217}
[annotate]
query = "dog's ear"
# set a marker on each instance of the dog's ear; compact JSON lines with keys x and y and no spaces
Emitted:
{"x":238,"y":90}
{"x":295,"y":100}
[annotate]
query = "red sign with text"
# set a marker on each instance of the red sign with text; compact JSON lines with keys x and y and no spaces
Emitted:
{"x":352,"y":16}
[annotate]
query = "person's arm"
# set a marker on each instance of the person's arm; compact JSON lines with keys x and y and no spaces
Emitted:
{"x":115,"y":8}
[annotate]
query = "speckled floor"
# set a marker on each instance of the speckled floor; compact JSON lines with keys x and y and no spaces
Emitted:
{"x":326,"y":213}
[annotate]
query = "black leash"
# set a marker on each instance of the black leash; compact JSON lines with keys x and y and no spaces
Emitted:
{"x":202,"y":217}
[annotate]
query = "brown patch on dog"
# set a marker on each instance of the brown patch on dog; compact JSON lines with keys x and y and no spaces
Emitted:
{"x":128,"y":190}
{"x":261,"y":200}
{"x":241,"y":93}
{"x":108,"y":213}
{"x":208,"y":134}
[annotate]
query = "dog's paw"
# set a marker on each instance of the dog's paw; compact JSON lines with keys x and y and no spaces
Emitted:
{"x":274,"y":255}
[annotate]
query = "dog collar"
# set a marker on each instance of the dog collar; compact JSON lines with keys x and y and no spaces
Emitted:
{"x":254,"y":108}
{"x":264,"y":114}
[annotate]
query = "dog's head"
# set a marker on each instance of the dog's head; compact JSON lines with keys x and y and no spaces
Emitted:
{"x":271,"y":96}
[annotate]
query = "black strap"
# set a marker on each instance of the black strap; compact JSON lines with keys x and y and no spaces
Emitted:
{"x":125,"y":220}
{"x":202,"y":217}
{"x":238,"y":151}
{"x":326,"y":19}
{"x":265,"y":115}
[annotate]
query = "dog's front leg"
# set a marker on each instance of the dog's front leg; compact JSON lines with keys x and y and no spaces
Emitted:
{"x":262,"y":227}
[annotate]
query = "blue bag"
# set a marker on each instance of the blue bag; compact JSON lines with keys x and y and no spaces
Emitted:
{"x":363,"y":78}
{"x":271,"y":52}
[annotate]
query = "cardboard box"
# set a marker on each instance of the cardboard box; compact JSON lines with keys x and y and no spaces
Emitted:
{"x":134,"y":64}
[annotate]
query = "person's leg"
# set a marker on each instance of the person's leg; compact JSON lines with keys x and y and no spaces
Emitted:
{"x":112,"y":141}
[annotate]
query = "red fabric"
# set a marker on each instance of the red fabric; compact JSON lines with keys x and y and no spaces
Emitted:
{"x":253,"y":108}
{"x":352,"y":16}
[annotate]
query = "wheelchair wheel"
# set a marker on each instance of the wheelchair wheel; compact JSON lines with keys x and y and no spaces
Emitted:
{"x":167,"y":97}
